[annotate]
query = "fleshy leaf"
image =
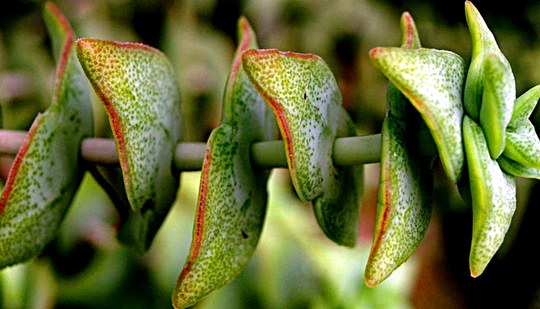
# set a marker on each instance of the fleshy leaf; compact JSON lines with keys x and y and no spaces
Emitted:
{"x":523,"y":145}
{"x":523,"y":107}
{"x":47,"y":170}
{"x":137,"y":85}
{"x":433,"y":81}
{"x":232,"y":195}
{"x":404,"y":197}
{"x":497,"y":103}
{"x":483,"y":44}
{"x":517,"y":169}
{"x":302,"y":92}
{"x":493,"y":194}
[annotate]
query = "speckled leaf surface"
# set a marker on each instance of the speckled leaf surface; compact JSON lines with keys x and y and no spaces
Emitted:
{"x":523,"y":144}
{"x":302,"y":92}
{"x":517,"y":169}
{"x":493,"y":194}
{"x":433,"y":81}
{"x":497,"y":103}
{"x":483,"y":44}
{"x":47,"y":170}
{"x":405,"y":182}
{"x":524,"y":106}
{"x":137,"y":85}
{"x":232,"y":195}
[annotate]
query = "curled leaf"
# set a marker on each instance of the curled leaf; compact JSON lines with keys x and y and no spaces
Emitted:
{"x":404,"y":197}
{"x":48,"y":169}
{"x":303,"y":93}
{"x":523,"y":145}
{"x":137,"y":85}
{"x":517,"y":169}
{"x":232,"y":195}
{"x":433,"y":81}
{"x":493,"y":197}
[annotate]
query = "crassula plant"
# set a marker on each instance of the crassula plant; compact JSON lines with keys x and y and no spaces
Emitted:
{"x":280,"y":109}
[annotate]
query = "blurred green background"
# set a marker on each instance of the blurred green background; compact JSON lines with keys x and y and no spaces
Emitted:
{"x":295,"y":266}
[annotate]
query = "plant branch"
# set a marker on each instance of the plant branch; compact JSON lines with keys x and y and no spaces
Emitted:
{"x":190,"y":155}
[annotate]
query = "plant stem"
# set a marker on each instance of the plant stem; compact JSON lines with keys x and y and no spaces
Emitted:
{"x":190,"y":155}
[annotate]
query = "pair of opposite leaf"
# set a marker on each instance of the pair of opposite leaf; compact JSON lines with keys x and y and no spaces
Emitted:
{"x":500,"y":141}
{"x":139,"y":92}
{"x":299,"y":91}
{"x":433,"y":80}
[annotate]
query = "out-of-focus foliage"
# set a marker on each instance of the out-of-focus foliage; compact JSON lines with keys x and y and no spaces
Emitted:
{"x":294,"y":266}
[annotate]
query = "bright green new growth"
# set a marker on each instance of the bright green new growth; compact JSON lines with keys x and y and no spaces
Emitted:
{"x":433,"y":81}
{"x":137,"y":86}
{"x":490,"y":86}
{"x":232,"y":194}
{"x":497,"y":103}
{"x":523,"y":144}
{"x":306,"y":101}
{"x":47,"y":170}
{"x":493,"y":194}
{"x":405,"y":182}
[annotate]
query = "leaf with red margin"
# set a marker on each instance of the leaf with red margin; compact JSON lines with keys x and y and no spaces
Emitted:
{"x":305,"y":98}
{"x":137,"y":85}
{"x":232,"y":197}
{"x":48,"y":169}
{"x":433,"y":81}
{"x":405,"y":184}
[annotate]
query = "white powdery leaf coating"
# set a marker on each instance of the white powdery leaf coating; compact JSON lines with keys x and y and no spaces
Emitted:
{"x":433,"y":81}
{"x":493,"y":195}
{"x":137,"y":85}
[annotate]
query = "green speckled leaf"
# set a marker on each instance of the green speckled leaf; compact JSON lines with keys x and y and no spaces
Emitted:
{"x":433,"y":81}
{"x":47,"y":170}
{"x":523,"y":107}
{"x":483,"y":44}
{"x":497,"y":103}
{"x":522,"y":149}
{"x":523,"y":145}
{"x":406,"y":179}
{"x":517,"y":169}
{"x":232,"y":194}
{"x":493,"y":194}
{"x":137,"y":86}
{"x":306,"y":101}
